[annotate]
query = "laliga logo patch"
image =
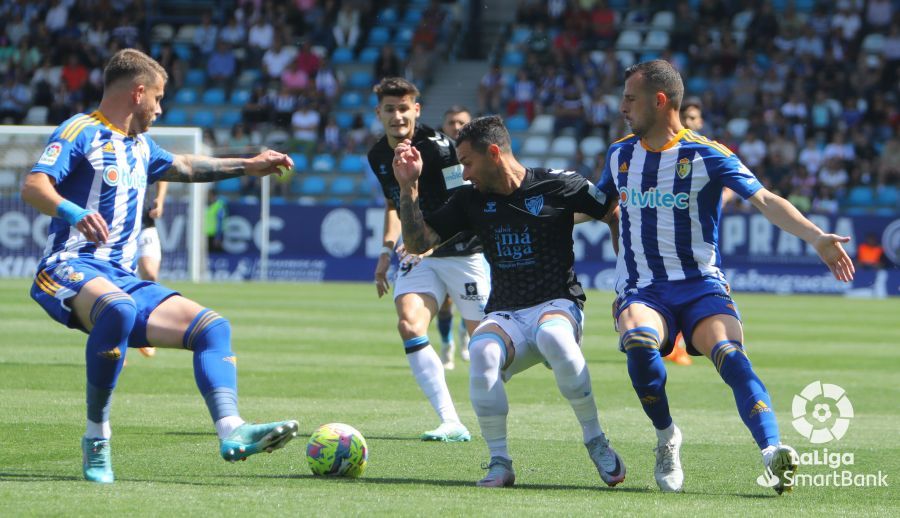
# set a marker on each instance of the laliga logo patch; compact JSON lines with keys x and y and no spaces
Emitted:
{"x":51,"y":153}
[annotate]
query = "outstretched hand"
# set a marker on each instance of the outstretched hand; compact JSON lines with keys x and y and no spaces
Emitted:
{"x":829,"y":248}
{"x":407,"y":163}
{"x":269,"y":162}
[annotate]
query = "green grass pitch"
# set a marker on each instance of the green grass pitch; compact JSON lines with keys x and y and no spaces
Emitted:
{"x":330,"y":352}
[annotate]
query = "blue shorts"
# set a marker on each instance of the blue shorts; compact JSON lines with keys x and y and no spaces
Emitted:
{"x":683,"y":304}
{"x":54,"y":287}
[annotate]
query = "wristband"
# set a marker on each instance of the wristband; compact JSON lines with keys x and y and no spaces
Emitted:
{"x":387,"y":250}
{"x":70,"y":212}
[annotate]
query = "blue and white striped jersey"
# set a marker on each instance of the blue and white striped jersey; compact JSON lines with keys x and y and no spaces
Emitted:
{"x":101,"y":168}
{"x":670,"y":207}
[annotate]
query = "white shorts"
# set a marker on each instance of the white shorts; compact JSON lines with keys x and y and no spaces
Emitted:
{"x":148,"y":244}
{"x":465,"y":278}
{"x":521,"y":327}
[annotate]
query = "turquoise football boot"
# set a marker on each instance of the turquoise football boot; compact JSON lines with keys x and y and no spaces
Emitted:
{"x":96,"y":461}
{"x":249,"y":439}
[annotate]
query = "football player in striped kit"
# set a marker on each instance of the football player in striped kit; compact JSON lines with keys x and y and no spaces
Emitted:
{"x":668,"y":181}
{"x":92,"y":179}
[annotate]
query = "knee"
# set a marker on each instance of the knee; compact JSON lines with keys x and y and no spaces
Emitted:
{"x":408,"y":328}
{"x":485,"y":354}
{"x":551,"y":336}
{"x":117,"y":304}
{"x":208,"y":329}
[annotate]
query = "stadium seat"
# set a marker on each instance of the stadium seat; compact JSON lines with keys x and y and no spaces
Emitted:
{"x":656,"y":40}
{"x":663,"y":20}
{"x":186,"y":96}
{"x":344,"y":120}
{"x":404,"y":37}
{"x":343,"y":186}
{"x":413,"y":17}
{"x":323,"y":163}
{"x":873,"y":43}
{"x":564,"y":146}
{"x":738,"y":127}
{"x":249,"y":77}
{"x":350,"y":101}
{"x":515,"y":143}
{"x":277,"y":200}
{"x":513,"y":59}
{"x":229,"y":118}
{"x":387,"y":16}
{"x":36,"y":115}
{"x":342,"y":56}
{"x":312,"y":186}
{"x":214,"y":96}
{"x":696,"y":85}
{"x":240,"y":97}
{"x":742,"y":20}
{"x":887,"y":196}
{"x":362,"y":79}
{"x":175,"y":117}
{"x":8,"y":179}
{"x":531,"y":161}
{"x":536,"y":145}
{"x":17,"y":158}
{"x":229,"y":185}
{"x":301,"y":163}
{"x":629,"y":40}
{"x":352,"y":164}
{"x":592,"y":146}
{"x":557,"y":163}
{"x":517,"y":123}
{"x":276,"y":138}
{"x":368,"y":55}
{"x":379,"y":35}
{"x":542,"y":125}
{"x":185,"y":34}
{"x":520,"y":35}
{"x":626,"y":58}
{"x":184,"y":51}
{"x":860,"y":196}
{"x":203,"y":118}
{"x":373,"y":102}
{"x":162,"y":32}
{"x":195,"y":77}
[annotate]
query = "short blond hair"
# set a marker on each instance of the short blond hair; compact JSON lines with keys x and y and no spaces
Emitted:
{"x":133,"y":65}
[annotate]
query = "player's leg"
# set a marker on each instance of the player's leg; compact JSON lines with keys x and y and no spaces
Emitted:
{"x":149,"y":259}
{"x":415,"y":311}
{"x":178,"y":322}
{"x":643,"y":330}
{"x":468,"y":282}
{"x":720,"y":338}
{"x":557,"y":339}
{"x":108,"y":314}
{"x":445,"y":328}
{"x":463,"y":331}
{"x":490,"y":350}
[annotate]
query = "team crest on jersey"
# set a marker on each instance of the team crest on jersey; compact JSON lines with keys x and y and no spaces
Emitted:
{"x":490,"y":207}
{"x":535,"y":204}
{"x":623,"y":167}
{"x":382,"y":169}
{"x":109,"y":148}
{"x":50,"y":154}
{"x":684,"y":167}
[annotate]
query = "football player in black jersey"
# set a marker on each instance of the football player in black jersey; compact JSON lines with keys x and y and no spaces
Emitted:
{"x":524,"y":218}
{"x":456,"y":268}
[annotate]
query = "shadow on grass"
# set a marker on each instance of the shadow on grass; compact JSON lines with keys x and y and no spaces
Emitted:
{"x":35,"y":477}
{"x":300,"y":436}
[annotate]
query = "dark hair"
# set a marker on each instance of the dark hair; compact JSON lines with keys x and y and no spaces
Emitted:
{"x":132,"y":65}
{"x":395,"y":87}
{"x":660,"y":76}
{"x":484,"y":131}
{"x":453,"y":110}
{"x":692,"y":102}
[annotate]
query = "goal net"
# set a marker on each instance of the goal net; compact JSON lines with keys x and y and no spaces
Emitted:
{"x":23,"y":230}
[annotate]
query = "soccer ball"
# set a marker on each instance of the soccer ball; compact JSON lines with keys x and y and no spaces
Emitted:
{"x":337,"y":449}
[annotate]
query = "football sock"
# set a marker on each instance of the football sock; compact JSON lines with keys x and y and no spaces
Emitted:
{"x":648,"y":373}
{"x":487,"y":355}
{"x":751,"y":396}
{"x":215,"y":370}
{"x":113,"y":316}
{"x":556,"y":342}
{"x":429,"y":373}
{"x":445,"y":327}
{"x":227,"y":424}
{"x":665,"y":435}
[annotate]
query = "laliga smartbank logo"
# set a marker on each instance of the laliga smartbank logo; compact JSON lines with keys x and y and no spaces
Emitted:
{"x":822,"y":414}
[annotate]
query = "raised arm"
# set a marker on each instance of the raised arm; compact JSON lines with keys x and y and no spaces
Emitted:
{"x":417,"y":235}
{"x":197,"y":168}
{"x":786,"y":217}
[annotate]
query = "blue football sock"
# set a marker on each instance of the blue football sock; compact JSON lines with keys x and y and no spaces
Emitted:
{"x":751,"y":396}
{"x":445,"y":327}
{"x":648,"y":374}
{"x":215,"y":371}
{"x":113,"y":317}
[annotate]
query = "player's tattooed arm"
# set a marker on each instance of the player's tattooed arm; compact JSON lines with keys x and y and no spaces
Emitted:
{"x":198,"y":168}
{"x":417,"y":235}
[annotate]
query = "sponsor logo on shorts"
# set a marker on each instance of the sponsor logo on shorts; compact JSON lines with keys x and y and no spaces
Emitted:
{"x":471,"y":292}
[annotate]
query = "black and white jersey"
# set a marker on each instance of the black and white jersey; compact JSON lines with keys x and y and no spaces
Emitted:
{"x":527,"y":236}
{"x":441,"y":176}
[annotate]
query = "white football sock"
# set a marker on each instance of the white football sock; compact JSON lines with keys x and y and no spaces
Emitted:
{"x":666,"y":434}
{"x":487,"y":392}
{"x":227,"y":424}
{"x":98,"y":430}
{"x":556,"y":342}
{"x":429,"y":373}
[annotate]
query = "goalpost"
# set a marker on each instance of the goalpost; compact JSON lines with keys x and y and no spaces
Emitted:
{"x":23,"y":231}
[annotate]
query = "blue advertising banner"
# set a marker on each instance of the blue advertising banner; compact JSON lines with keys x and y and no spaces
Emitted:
{"x":315,"y":243}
